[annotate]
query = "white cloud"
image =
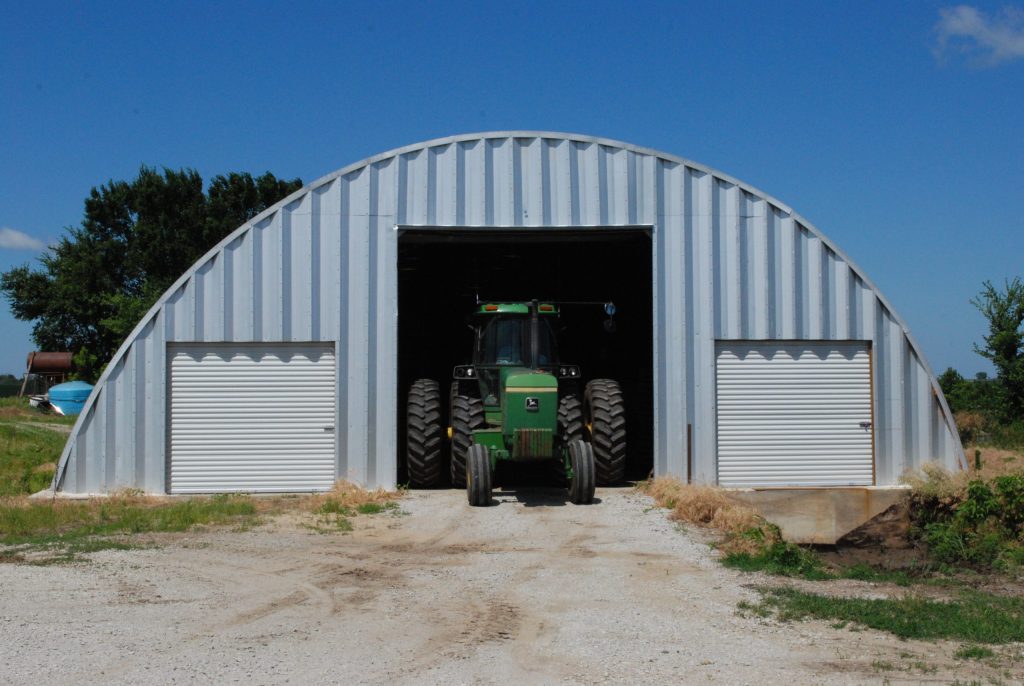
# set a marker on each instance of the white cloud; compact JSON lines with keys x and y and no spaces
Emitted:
{"x":12,"y":239}
{"x":989,"y":40}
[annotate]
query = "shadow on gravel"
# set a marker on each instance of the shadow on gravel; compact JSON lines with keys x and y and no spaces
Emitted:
{"x":535,"y":496}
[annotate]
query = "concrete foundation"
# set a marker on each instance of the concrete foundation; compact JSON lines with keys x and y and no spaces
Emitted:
{"x":819,"y":515}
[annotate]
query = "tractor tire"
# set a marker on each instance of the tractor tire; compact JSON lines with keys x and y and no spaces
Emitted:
{"x":478,"y":476}
{"x":581,"y":484}
{"x":605,"y":416}
{"x":570,"y":428}
{"x":423,"y":434}
{"x":467,"y":415}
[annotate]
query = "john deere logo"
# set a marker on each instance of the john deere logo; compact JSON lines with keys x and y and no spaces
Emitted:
{"x":532,"y":404}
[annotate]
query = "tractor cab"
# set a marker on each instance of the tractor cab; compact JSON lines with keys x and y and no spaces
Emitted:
{"x":505,"y":343}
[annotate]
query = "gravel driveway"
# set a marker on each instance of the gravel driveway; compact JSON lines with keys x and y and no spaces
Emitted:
{"x":531,"y":591}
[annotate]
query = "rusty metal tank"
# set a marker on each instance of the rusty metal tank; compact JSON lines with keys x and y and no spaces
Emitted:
{"x":49,"y":363}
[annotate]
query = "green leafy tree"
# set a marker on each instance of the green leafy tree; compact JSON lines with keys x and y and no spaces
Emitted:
{"x":1004,"y":344}
{"x":135,"y":240}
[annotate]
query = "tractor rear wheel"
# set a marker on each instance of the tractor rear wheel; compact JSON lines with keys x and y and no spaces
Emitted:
{"x":467,"y":415}
{"x":423,"y":434}
{"x":605,"y":416}
{"x":478,"y":476}
{"x":581,"y":483}
{"x":570,"y":428}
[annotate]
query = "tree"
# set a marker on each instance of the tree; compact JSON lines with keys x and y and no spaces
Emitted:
{"x":1004,"y":344}
{"x":135,"y":240}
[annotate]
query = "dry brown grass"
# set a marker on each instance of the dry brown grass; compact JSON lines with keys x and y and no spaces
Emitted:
{"x":344,"y":494}
{"x":936,"y":481}
{"x":349,"y":495}
{"x":970,"y":425}
{"x":742,"y":528}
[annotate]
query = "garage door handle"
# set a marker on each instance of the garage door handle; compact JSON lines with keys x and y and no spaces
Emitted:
{"x":865,"y":425}
{"x":329,"y":429}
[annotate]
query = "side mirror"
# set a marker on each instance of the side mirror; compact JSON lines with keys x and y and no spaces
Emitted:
{"x":609,"y":324}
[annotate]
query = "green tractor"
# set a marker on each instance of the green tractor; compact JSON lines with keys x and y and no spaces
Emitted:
{"x":518,"y":401}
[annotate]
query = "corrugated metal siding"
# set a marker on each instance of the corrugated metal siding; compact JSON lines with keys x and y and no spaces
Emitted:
{"x":729,"y":263}
{"x":251,"y":417}
{"x":794,"y":414}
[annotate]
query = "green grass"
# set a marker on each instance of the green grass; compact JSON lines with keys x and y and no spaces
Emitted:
{"x":788,"y":559}
{"x":76,"y":525}
{"x":330,"y":507}
{"x":782,"y":559}
{"x":28,"y":456}
{"x":973,"y":616}
{"x":972,"y":652}
{"x":28,"y":452}
{"x":376,"y":508}
{"x":18,"y":409}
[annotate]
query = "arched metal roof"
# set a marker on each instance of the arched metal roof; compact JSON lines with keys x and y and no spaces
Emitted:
{"x":440,"y":143}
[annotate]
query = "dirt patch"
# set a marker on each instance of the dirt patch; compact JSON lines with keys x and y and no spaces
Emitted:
{"x":612,"y":593}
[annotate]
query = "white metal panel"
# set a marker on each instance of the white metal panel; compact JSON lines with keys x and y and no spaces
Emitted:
{"x":255,"y":418}
{"x":794,"y":414}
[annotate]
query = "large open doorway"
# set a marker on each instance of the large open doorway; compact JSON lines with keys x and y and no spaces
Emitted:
{"x":442,"y":271}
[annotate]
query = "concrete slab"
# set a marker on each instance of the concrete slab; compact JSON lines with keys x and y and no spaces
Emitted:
{"x":819,"y":515}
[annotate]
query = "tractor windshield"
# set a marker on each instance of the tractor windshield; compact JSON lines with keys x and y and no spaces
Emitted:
{"x":506,"y":341}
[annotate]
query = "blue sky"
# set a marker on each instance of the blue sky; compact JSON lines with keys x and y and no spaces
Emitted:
{"x":895,"y":128}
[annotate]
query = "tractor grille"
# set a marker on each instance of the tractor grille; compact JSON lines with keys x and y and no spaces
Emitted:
{"x":531,"y":444}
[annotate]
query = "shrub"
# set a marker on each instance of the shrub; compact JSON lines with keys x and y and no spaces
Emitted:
{"x":971,"y":425}
{"x":980,"y":523}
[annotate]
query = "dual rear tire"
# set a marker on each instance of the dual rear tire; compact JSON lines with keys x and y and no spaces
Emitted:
{"x":424,"y":434}
{"x":604,"y":414}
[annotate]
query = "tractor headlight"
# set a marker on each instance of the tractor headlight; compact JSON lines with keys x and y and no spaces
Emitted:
{"x":465,"y":372}
{"x":568,"y":371}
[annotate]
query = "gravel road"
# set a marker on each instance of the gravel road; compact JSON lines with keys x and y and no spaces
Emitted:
{"x":532,"y":590}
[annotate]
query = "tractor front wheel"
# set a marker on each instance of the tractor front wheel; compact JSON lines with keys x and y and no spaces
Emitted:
{"x":467,"y":415}
{"x":605,"y":415}
{"x":570,"y":428}
{"x":478,"y":476}
{"x":423,"y":434}
{"x":581,"y":483}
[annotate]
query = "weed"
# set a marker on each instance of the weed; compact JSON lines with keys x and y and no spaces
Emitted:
{"x":747,"y":608}
{"x":334,"y":507}
{"x":779,"y":557}
{"x":924,"y":667}
{"x":973,"y":652}
{"x":376,"y":508}
{"x":350,"y":496}
{"x":974,"y":517}
{"x":865,"y":572}
{"x":331,"y":523}
{"x":974,"y":616}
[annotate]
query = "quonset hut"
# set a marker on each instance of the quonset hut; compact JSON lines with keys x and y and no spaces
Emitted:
{"x":751,"y":350}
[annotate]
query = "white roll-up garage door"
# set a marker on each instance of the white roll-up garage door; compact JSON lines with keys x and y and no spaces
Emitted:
{"x":257,"y":418}
{"x":794,"y":414}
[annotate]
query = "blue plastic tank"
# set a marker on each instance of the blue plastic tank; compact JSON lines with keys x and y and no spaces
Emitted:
{"x":68,"y":398}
